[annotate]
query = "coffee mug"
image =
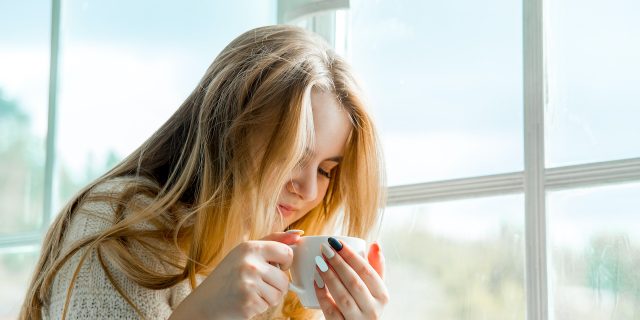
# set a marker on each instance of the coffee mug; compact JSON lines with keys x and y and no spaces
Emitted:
{"x":303,"y":268}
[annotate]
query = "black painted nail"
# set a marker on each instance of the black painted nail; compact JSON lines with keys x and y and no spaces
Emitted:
{"x":335,"y":244}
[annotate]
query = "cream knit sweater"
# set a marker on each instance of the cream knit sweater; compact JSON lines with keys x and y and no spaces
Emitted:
{"x":93,"y":296}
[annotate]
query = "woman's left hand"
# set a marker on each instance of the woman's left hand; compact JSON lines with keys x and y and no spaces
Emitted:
{"x":353,"y":287}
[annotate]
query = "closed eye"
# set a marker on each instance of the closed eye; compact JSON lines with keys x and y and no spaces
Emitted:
{"x":324,"y":173}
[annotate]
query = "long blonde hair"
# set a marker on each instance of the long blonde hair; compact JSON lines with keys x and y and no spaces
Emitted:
{"x":215,"y":169}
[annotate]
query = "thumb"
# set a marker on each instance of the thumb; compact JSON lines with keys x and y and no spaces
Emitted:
{"x":376,"y":259}
{"x":289,"y":237}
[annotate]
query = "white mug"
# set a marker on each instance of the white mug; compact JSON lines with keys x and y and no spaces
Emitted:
{"x":304,"y":265}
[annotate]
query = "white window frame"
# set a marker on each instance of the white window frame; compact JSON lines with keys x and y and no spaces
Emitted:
{"x":533,"y":182}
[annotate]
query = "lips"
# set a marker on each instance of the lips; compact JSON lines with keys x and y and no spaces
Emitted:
{"x":286,"y":210}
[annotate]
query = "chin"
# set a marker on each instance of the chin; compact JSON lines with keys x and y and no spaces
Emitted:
{"x":291,"y":220}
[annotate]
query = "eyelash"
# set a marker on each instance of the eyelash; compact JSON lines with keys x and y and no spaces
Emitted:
{"x":324,"y":173}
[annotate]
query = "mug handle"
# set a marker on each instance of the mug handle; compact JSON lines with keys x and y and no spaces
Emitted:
{"x":292,"y":286}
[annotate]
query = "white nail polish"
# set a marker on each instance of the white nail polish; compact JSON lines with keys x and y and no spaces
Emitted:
{"x":327,"y":251}
{"x":321,"y":264}
{"x":296,"y":231}
{"x":318,"y":280}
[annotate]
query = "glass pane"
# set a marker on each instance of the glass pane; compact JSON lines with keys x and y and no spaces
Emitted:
{"x":456,"y":260}
{"x":596,"y":252}
{"x":445,"y":81}
{"x":594,"y":74}
{"x":24,"y":80}
{"x":126,"y":68}
{"x":15,"y":274}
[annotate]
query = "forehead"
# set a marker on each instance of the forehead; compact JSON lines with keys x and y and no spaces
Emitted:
{"x":331,"y":124}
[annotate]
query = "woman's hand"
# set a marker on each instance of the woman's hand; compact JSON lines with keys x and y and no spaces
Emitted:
{"x":353,"y":288}
{"x":245,"y":283}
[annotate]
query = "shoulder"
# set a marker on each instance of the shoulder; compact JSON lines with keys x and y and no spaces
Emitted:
{"x":97,"y":210}
{"x":89,"y":278}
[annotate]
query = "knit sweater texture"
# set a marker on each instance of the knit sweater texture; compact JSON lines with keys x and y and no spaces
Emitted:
{"x":93,"y":296}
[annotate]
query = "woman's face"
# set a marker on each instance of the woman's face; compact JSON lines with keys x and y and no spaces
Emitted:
{"x":309,"y":182}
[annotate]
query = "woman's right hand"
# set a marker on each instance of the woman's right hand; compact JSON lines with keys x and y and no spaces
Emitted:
{"x":245,"y":283}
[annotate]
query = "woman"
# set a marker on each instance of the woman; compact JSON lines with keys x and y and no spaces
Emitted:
{"x":274,"y":138}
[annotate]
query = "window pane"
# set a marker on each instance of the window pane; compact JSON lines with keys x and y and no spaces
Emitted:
{"x":125,"y":69}
{"x":445,"y":80}
{"x":456,"y":260}
{"x":24,"y":79}
{"x":15,"y":274}
{"x":594,"y":74}
{"x":596,"y":252}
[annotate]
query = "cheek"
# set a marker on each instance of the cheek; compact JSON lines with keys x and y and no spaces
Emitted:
{"x":323,"y":186}
{"x":322,"y":190}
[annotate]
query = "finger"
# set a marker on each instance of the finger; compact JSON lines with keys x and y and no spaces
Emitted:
{"x":376,"y":259}
{"x":275,"y":253}
{"x":275,"y":278}
{"x":365,"y":271}
{"x":260,"y":304}
{"x":341,"y":296}
{"x":269,"y":294}
{"x":328,"y":306}
{"x":289,"y":237}
{"x":350,"y":279}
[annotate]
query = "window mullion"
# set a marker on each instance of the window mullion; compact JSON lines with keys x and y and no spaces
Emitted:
{"x":289,"y":11}
{"x":560,"y":178}
{"x":47,"y":208}
{"x":20,"y":240}
{"x":534,"y":189}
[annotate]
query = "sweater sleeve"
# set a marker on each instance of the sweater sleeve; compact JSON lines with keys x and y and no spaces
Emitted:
{"x":92,"y":295}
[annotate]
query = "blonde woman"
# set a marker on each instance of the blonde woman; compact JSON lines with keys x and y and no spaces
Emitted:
{"x":275,"y":139}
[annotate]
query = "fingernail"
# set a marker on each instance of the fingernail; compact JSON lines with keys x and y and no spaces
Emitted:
{"x":296,"y":231}
{"x":321,"y":264}
{"x":327,"y":251}
{"x":318,"y":280}
{"x":335,"y":244}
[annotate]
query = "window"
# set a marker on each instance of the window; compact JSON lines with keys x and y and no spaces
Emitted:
{"x":593,"y":101}
{"x":16,"y":266}
{"x":456,"y":260}
{"x":134,"y":69}
{"x":509,"y":129}
{"x":449,"y":102}
{"x":114,"y":68}
{"x":24,"y":70}
{"x":595,"y":250}
{"x":459,"y":89}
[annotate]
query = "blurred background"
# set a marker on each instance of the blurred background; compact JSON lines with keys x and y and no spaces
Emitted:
{"x":84,"y":82}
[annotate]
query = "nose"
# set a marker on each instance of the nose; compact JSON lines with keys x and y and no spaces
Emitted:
{"x":304,"y":184}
